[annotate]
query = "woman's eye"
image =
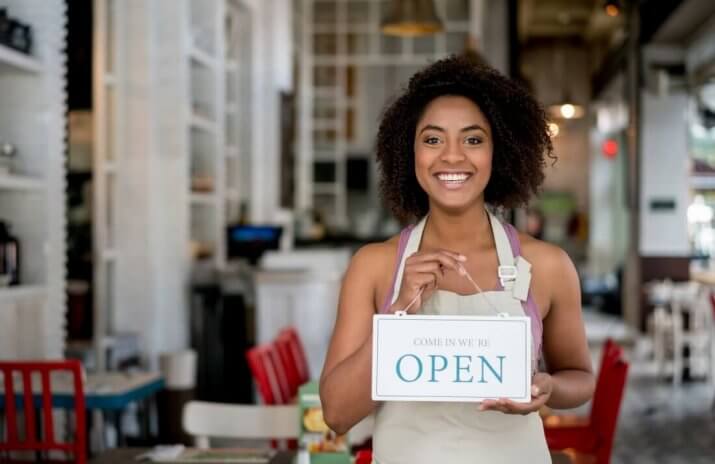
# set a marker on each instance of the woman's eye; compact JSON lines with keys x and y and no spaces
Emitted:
{"x":432,"y":140}
{"x":473,"y":140}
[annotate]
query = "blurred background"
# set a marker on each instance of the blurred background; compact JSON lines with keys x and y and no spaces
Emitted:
{"x":183,"y":180}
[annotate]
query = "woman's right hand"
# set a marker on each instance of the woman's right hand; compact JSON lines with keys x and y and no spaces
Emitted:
{"x":423,"y":270}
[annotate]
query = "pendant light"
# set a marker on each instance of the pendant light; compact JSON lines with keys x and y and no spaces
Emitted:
{"x":566,"y":108}
{"x":411,"y":18}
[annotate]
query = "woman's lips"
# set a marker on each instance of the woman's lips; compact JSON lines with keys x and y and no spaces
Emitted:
{"x":453,"y":180}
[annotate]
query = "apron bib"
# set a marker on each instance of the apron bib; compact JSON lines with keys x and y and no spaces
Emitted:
{"x":455,"y":433}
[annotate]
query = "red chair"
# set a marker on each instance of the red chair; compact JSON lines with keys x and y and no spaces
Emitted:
{"x":284,"y":385}
{"x":363,"y":457}
{"x":263,"y":374}
{"x":271,"y":380}
{"x":290,"y":368}
{"x":297,"y":352}
{"x":594,"y":434}
{"x":40,"y":437}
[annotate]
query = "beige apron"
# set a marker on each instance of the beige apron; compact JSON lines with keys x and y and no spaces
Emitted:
{"x":455,"y":433}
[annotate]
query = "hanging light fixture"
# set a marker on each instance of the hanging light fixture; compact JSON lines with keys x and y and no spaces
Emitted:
{"x":411,"y":18}
{"x":612,"y":8}
{"x":566,"y":108}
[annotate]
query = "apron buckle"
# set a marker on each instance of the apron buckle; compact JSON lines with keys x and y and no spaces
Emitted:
{"x":506,"y":274}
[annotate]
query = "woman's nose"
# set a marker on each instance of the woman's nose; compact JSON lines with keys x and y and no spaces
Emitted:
{"x":452,"y":153}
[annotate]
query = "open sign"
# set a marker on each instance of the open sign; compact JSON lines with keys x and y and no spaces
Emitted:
{"x":451,"y":358}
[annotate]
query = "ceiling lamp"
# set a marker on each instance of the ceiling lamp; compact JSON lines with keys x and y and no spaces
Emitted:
{"x":553,"y":129}
{"x":566,"y":110}
{"x":411,"y":18}
{"x":612,"y":8}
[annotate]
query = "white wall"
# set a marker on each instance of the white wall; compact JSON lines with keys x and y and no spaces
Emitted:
{"x":272,"y":72}
{"x":152,"y":217}
{"x":664,"y":174}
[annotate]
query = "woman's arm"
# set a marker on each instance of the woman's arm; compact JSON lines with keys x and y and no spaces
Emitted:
{"x":345,"y":381}
{"x":569,"y":380}
{"x":565,"y":348}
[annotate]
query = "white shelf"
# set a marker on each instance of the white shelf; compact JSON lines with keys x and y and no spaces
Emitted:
{"x":202,"y":123}
{"x":325,"y":188}
{"x":201,"y":57}
{"x":17,"y":182}
{"x":233,"y":194}
{"x":231,"y":66}
{"x":326,"y":124}
{"x":702,"y":181}
{"x":325,"y":92}
{"x":207,"y":199}
{"x":22,"y":292}
{"x":13,"y":59}
{"x":231,"y":151}
{"x":231,"y":108}
{"x":324,"y":155}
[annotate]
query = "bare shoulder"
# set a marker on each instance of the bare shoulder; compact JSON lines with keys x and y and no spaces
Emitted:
{"x":545,"y":256}
{"x":374,"y":263}
{"x":554,"y":275}
{"x":372,"y":268}
{"x":376,"y":255}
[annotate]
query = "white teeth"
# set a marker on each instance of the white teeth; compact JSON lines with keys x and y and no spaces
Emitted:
{"x":453,"y":177}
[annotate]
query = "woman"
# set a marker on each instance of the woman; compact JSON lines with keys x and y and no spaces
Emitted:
{"x":462,"y":137}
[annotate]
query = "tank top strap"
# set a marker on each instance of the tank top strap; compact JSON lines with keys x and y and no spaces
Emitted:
{"x":401,"y":245}
{"x":530,"y":307}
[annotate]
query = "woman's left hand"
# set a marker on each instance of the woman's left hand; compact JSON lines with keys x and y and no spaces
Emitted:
{"x":541,"y":388}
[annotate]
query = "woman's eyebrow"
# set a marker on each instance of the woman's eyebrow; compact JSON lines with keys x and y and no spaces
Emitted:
{"x":432,"y":127}
{"x":440,"y":129}
{"x":473,"y":127}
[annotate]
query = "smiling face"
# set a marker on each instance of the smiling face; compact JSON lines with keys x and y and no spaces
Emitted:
{"x":453,"y":153}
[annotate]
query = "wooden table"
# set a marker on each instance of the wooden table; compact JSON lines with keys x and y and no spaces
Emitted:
{"x":705,"y":277}
{"x":127,"y":456}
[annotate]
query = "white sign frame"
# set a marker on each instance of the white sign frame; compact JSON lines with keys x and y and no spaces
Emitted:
{"x":391,"y":336}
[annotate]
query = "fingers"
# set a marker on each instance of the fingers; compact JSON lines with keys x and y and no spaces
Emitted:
{"x":423,"y":271}
{"x":443,"y":257}
{"x":433,"y":268}
{"x":511,"y":407}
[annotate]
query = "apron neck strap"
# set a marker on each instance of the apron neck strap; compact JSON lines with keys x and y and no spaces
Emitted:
{"x":506,"y":271}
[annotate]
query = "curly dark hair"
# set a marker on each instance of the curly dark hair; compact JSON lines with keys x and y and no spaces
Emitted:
{"x":519,"y":130}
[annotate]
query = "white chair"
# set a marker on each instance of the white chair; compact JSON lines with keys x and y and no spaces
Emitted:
{"x":694,"y":300}
{"x":672,"y":302}
{"x":660,"y":322}
{"x":205,"y":420}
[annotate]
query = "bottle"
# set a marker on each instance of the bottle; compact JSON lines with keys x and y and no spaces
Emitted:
{"x":9,"y":255}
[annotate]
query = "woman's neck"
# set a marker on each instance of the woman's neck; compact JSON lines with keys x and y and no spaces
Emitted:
{"x":462,"y":233}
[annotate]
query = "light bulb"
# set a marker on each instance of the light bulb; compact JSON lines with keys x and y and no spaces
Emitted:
{"x":612,"y":10}
{"x":553,"y":129}
{"x":568,"y":111}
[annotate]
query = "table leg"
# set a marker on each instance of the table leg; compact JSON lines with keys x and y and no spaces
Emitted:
{"x":121,"y":442}
{"x":145,"y":419}
{"x":88,"y":425}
